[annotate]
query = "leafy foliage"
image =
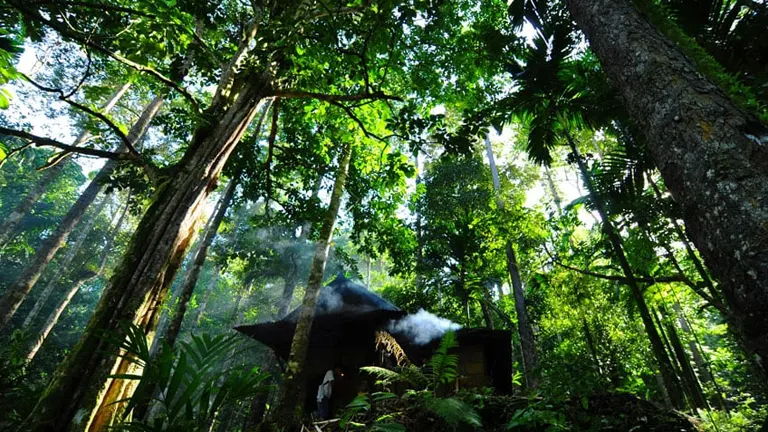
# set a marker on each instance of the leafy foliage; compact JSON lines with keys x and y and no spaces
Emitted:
{"x":192,"y":385}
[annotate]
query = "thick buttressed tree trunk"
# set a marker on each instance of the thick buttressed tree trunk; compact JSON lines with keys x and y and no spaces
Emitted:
{"x":16,"y":293}
{"x":524,"y":328}
{"x":289,"y":406}
{"x":657,"y":345}
{"x":11,"y":223}
{"x":81,"y":394}
{"x":712,"y":155}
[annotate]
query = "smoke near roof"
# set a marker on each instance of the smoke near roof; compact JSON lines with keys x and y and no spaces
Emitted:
{"x":422,"y":327}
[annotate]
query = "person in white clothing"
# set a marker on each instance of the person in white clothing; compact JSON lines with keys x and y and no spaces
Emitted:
{"x":325,"y":390}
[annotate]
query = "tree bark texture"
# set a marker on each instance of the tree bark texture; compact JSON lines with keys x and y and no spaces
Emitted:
{"x":657,"y":345}
{"x":524,"y":328}
{"x":289,"y":405}
{"x":81,"y":394}
{"x":16,"y":293}
{"x":11,"y":223}
{"x":84,"y":277}
{"x":711,"y":154}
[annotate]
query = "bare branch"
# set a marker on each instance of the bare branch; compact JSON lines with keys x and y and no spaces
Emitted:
{"x":84,"y":77}
{"x":49,"y":142}
{"x":115,"y":128}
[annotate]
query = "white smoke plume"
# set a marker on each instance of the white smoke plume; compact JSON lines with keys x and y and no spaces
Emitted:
{"x":332,"y":302}
{"x":422,"y":327}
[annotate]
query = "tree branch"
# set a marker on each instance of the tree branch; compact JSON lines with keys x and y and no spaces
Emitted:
{"x":115,"y":128}
{"x":296,"y":94}
{"x":270,"y":152}
{"x":34,"y":15}
{"x":48,"y":142}
{"x":622,"y":279}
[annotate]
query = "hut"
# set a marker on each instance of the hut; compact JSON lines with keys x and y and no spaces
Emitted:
{"x":348,"y":329}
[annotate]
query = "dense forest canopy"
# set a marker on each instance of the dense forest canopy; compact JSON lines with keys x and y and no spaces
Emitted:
{"x":586,"y":178}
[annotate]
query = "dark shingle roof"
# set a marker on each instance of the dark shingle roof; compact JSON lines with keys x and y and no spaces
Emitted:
{"x":342,"y":308}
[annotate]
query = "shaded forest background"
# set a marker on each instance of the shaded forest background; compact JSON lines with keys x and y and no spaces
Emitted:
{"x":171,"y":169}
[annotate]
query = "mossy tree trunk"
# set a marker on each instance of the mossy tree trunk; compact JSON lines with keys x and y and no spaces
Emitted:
{"x":81,"y":394}
{"x":289,"y":407}
{"x":711,"y":153}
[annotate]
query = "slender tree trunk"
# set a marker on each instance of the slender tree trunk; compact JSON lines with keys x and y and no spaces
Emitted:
{"x":64,"y":265}
{"x":553,"y":189}
{"x":11,"y":222}
{"x":289,"y":406}
{"x":419,"y":231}
{"x":16,"y":293}
{"x":662,"y":360}
{"x":688,"y":374}
{"x":85,"y":276}
{"x":591,"y":345}
{"x":207,"y":295}
{"x":485,"y":304}
{"x":288,"y":290}
{"x":190,"y":281}
{"x":524,"y":328}
{"x":81,"y":385}
{"x":701,"y":364}
{"x":697,"y":264}
{"x":682,"y":387}
{"x":712,"y":155}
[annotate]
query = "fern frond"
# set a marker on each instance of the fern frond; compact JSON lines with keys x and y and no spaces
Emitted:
{"x":384,"y":375}
{"x":454,"y":411}
{"x":443,"y":366}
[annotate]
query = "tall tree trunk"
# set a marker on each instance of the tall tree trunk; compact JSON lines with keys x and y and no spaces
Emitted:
{"x":701,"y":364}
{"x":553,"y":189}
{"x":207,"y":295}
{"x":697,"y":264}
{"x":11,"y":222}
{"x":291,"y":279}
{"x":289,"y":406}
{"x":185,"y":292}
{"x":288,"y":290}
{"x":591,"y":345}
{"x":64,"y":265}
{"x":419,"y":230}
{"x":688,"y":374}
{"x":81,"y":385}
{"x":485,"y":304}
{"x":16,"y":293}
{"x":524,"y":328}
{"x":712,"y":154}
{"x":84,"y":277}
{"x":665,"y":366}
